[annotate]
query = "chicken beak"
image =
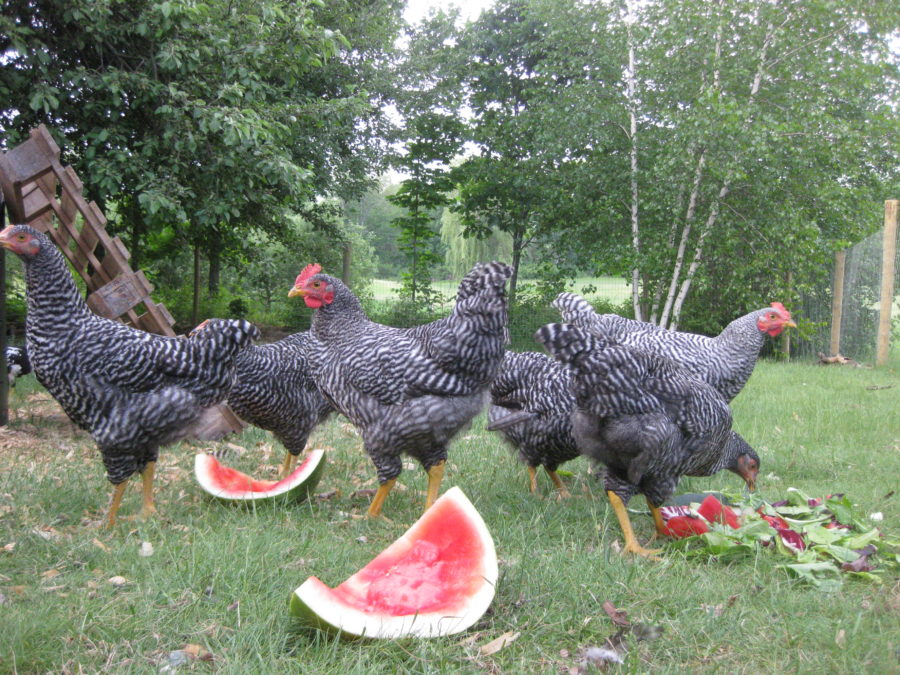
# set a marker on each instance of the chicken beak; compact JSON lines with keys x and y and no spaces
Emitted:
{"x":790,"y":324}
{"x":5,"y":241}
{"x":751,"y":484}
{"x":295,"y":291}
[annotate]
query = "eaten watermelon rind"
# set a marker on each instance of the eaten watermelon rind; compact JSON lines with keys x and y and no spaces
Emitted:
{"x":296,"y":487}
{"x":322,"y":607}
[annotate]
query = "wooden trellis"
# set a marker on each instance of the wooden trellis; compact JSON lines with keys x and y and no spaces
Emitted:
{"x":41,"y":192}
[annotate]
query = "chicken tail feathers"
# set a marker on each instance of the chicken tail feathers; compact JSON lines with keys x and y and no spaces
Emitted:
{"x":567,"y":343}
{"x":509,"y":420}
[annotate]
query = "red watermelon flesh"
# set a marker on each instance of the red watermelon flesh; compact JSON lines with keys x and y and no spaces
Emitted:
{"x":714,"y":512}
{"x":233,"y":485}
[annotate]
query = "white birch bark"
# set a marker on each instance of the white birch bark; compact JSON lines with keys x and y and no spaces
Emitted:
{"x":726,"y":185}
{"x":635,"y":227}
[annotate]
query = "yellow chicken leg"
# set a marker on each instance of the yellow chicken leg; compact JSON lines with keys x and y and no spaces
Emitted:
{"x":287,"y":466}
{"x":435,"y":476}
{"x":118,"y":491}
{"x":631,"y":542}
{"x":147,"y":507}
{"x":378,"y":500}
{"x":657,"y":519}
{"x":561,"y":490}
{"x":532,"y":475}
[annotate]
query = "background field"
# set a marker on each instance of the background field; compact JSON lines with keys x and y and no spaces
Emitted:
{"x":220,"y":577}
{"x":614,"y":289}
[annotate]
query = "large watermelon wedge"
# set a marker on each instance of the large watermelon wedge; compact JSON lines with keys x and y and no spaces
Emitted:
{"x":437,"y":579}
{"x":232,"y":485}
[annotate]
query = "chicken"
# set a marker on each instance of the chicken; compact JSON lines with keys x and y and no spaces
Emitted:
{"x":646,"y":419}
{"x":408,"y":390}
{"x":274,"y":390}
{"x":531,"y":407}
{"x":17,"y":363}
{"x":132,"y":391}
{"x":725,"y":361}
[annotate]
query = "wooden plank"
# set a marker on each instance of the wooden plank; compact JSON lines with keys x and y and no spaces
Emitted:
{"x":118,"y":296}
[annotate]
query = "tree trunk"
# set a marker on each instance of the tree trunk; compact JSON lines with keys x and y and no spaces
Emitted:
{"x":195,"y":309}
{"x":726,"y":186}
{"x":518,"y":244}
{"x":635,"y":229}
{"x":214,"y":253}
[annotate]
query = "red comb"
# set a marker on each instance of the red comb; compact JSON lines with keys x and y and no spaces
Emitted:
{"x":781,"y":310}
{"x":308,"y":271}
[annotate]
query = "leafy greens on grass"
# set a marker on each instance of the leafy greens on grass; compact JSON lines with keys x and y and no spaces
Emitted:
{"x":825,"y":537}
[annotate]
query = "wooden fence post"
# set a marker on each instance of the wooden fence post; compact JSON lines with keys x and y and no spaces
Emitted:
{"x":888,"y":256}
{"x":837,"y":302}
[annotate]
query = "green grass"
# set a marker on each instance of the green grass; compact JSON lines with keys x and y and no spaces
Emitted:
{"x":614,"y":289}
{"x":220,"y":577}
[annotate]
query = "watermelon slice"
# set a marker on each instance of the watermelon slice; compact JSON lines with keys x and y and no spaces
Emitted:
{"x":232,"y":485}
{"x":437,"y":579}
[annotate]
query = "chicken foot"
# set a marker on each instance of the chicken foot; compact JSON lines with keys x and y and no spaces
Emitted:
{"x":435,"y":476}
{"x":378,"y":500}
{"x":287,"y":466}
{"x":532,"y":475}
{"x":631,"y":542}
{"x":118,"y":491}
{"x":562,"y":492}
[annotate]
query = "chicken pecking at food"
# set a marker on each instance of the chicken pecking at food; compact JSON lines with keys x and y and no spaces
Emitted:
{"x":408,"y":390}
{"x":17,"y":363}
{"x":725,"y":361}
{"x":133,"y":391}
{"x":531,"y":407}
{"x":646,"y":419}
{"x":274,"y":390}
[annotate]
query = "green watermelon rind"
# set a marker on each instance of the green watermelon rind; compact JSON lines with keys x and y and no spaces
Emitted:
{"x":313,"y":603}
{"x":298,"y":490}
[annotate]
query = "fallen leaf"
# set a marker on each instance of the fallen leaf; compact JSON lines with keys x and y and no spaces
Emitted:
{"x":197,"y":652}
{"x":118,"y":581}
{"x":49,"y":574}
{"x":99,"y":544}
{"x":841,"y":638}
{"x":499,"y":643}
{"x":10,"y":547}
{"x":618,"y":616}
{"x":146,"y":549}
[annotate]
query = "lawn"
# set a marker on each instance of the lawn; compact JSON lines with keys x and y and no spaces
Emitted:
{"x":614,"y":289}
{"x":76,"y":599}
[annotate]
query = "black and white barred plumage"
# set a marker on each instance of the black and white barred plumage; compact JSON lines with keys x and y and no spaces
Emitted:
{"x":17,"y":363}
{"x":408,"y":390}
{"x":133,"y":391}
{"x":274,"y":390}
{"x":725,"y":361}
{"x":646,"y":419}
{"x":531,"y":407}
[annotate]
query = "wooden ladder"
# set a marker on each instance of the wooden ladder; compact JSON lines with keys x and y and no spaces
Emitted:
{"x":41,"y":192}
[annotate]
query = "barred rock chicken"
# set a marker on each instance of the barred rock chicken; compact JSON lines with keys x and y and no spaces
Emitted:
{"x":648,"y":420}
{"x":17,"y":363}
{"x":531,"y":407}
{"x":133,"y":391}
{"x":274,"y":390}
{"x":725,"y":361}
{"x":408,"y":390}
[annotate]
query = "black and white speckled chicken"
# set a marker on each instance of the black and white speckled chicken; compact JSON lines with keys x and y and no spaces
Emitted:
{"x":646,"y":419}
{"x":531,"y":407}
{"x":133,"y":391}
{"x":725,"y":361}
{"x":408,"y":390}
{"x":274,"y":390}
{"x":17,"y":363}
